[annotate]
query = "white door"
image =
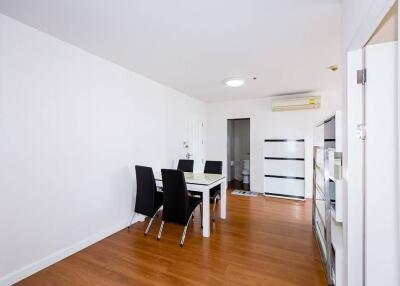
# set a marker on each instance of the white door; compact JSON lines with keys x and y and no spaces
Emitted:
{"x":381,"y":173}
{"x":196,"y":148}
{"x":372,"y":173}
{"x":355,"y":159}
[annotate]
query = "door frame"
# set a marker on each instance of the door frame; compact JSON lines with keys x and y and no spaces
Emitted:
{"x":228,"y":149}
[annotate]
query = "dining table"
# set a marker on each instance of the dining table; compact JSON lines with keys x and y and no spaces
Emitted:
{"x":202,"y":183}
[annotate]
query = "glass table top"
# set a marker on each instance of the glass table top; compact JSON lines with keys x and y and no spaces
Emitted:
{"x":196,"y":178}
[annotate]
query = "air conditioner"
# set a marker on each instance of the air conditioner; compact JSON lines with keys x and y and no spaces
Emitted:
{"x":298,"y":103}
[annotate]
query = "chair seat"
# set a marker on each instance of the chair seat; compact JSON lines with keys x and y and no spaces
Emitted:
{"x":214,"y":192}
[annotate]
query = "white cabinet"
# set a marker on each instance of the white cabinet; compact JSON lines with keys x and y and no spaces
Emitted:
{"x":284,"y":168}
{"x":328,"y":196}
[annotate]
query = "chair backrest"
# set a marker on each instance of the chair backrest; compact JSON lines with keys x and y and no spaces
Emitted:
{"x":185,"y":165}
{"x":146,"y":188}
{"x":213,"y":167}
{"x":176,"y":201}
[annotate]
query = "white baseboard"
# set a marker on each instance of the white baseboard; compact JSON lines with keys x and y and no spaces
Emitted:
{"x":36,"y":266}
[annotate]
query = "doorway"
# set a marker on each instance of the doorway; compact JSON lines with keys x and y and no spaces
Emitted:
{"x":238,"y":157}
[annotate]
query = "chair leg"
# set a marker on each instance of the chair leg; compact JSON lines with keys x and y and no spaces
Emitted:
{"x":215,"y":204}
{"x":201,"y":214}
{"x":130,"y":223}
{"x":151,"y":221}
{"x":148,"y":226}
{"x":160,"y":231}
{"x":184,"y":231}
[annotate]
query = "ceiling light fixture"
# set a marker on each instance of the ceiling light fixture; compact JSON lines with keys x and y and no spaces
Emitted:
{"x":234,"y":82}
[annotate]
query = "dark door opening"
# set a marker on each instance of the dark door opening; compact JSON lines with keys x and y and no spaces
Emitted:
{"x":238,"y":157}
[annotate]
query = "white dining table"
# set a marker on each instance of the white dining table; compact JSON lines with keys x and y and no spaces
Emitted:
{"x":202,"y":183}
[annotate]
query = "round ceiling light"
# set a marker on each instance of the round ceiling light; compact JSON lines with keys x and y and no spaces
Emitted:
{"x":234,"y":82}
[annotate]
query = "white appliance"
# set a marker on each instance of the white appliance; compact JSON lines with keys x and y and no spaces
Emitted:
{"x":298,"y":103}
{"x":246,"y":172}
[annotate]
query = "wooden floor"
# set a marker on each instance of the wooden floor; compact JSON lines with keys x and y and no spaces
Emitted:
{"x":264,"y":241}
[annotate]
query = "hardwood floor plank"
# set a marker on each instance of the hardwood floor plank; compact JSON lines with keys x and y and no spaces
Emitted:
{"x":263,"y":241}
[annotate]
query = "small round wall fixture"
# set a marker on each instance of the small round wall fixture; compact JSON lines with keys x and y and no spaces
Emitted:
{"x":234,"y":82}
{"x":333,"y":67}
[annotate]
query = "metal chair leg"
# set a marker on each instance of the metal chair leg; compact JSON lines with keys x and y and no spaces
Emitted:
{"x":184,"y":230}
{"x":160,"y":231}
{"x":148,"y":226}
{"x":151,"y":221}
{"x":130,"y":223}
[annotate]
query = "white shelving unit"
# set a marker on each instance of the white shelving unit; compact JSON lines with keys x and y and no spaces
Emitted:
{"x":328,"y":197}
{"x":337,"y":244}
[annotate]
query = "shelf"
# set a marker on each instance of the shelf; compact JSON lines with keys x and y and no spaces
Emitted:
{"x":338,"y":246}
{"x":320,"y":206}
{"x":339,"y":201}
{"x":321,"y":190}
{"x":319,"y":195}
{"x":337,"y":235}
{"x":320,"y":169}
{"x":321,"y":240}
{"x":333,"y":213}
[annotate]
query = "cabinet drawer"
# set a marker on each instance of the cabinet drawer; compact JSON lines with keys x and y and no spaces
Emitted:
{"x":292,"y":168}
{"x":284,"y":187}
{"x":285,"y":149}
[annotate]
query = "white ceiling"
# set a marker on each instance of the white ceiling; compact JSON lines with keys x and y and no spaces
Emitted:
{"x":193,"y":45}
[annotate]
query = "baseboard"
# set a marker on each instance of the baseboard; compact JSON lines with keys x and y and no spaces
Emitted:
{"x":34,"y":267}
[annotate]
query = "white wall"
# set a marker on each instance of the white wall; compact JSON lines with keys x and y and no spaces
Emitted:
{"x":360,"y":19}
{"x":266,"y":124}
{"x":72,"y":126}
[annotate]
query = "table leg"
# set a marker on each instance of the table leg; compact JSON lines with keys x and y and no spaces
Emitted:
{"x":223,"y":199}
{"x":206,"y":213}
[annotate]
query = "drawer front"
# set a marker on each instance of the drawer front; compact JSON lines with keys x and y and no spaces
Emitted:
{"x":284,"y":187}
{"x":286,"y":149}
{"x":292,"y":168}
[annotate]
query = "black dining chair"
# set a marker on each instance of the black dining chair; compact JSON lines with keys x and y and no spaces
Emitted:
{"x":185,"y":165}
{"x":214,"y":167}
{"x":178,"y":207}
{"x":148,"y":200}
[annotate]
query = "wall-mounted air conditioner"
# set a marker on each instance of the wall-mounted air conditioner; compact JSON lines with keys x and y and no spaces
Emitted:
{"x":298,"y":103}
